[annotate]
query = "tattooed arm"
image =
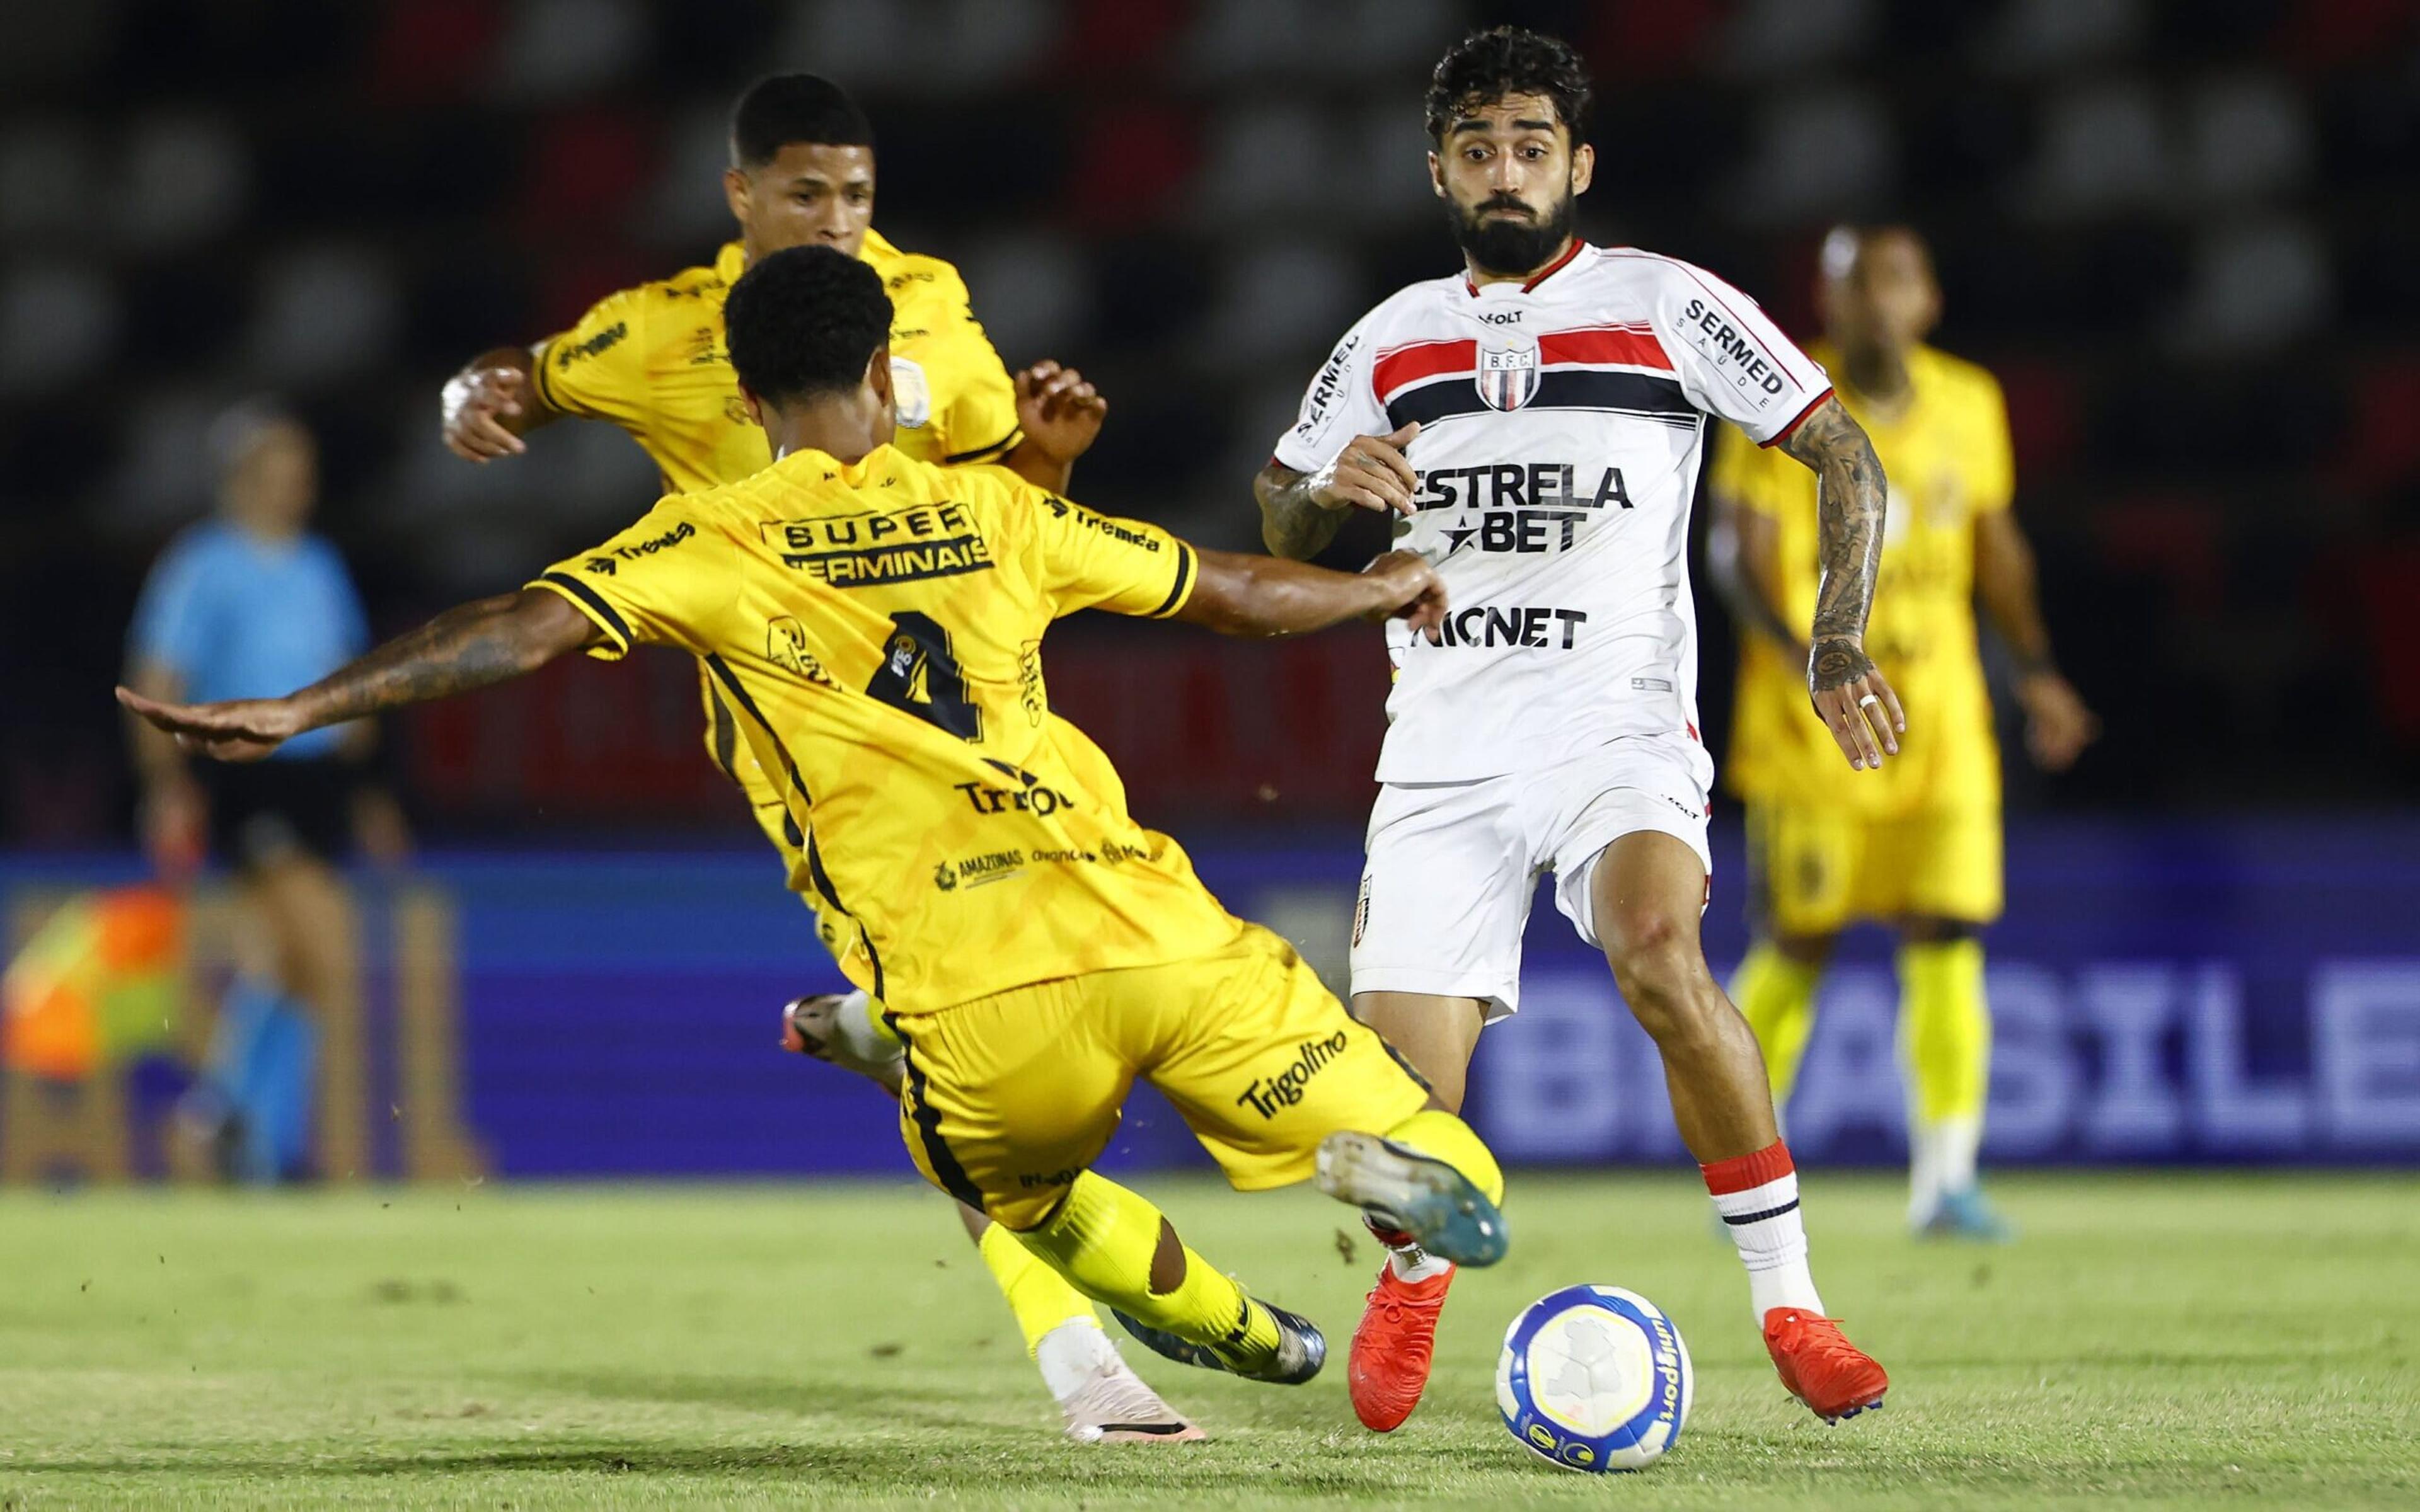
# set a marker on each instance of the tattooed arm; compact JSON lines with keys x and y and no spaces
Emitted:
{"x":1857,"y":705}
{"x":464,"y":648}
{"x":1300,"y":511}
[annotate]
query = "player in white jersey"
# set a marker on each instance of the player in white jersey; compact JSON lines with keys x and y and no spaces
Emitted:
{"x":1535,"y":424}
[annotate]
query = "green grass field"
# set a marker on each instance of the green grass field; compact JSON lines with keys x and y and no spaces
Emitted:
{"x":2176,"y":1341}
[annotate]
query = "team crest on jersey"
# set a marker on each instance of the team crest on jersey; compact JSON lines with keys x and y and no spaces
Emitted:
{"x":911,"y":397}
{"x":1508,"y":373}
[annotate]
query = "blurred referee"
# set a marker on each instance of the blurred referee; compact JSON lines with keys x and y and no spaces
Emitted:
{"x":246,"y":604}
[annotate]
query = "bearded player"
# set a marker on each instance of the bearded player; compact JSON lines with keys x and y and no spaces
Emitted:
{"x":1534,"y":426}
{"x":654,"y":359}
{"x":1916,"y":846}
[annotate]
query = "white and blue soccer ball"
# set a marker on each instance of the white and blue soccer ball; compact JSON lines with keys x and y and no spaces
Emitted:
{"x":1595,"y":1379}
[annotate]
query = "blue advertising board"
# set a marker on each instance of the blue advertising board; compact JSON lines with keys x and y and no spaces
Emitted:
{"x":2196,"y":993}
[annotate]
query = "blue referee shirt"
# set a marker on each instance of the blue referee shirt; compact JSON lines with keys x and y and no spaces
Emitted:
{"x":235,"y":617}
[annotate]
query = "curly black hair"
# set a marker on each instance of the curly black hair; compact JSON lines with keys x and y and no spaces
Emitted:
{"x":794,"y":107}
{"x":805,"y":321}
{"x":1489,"y":65}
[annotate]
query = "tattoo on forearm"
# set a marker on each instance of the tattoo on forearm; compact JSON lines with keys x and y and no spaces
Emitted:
{"x":1852,"y":498}
{"x":1292,"y":525}
{"x":464,"y":648}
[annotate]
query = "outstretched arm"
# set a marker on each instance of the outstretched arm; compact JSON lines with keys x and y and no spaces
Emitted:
{"x":464,"y":648}
{"x":2058,"y":725}
{"x":1854,"y":701}
{"x":1236,"y":593}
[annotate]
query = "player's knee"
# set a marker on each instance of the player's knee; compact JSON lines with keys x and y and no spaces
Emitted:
{"x":1645,"y":942}
{"x":1661,"y":973}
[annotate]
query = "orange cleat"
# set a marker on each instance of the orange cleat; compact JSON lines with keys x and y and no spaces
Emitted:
{"x":1833,"y":1377}
{"x":1392,"y":1347}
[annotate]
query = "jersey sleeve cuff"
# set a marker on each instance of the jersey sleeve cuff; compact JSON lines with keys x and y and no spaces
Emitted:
{"x":1183,"y":589}
{"x":997,"y":451}
{"x":1786,"y":431}
{"x":1286,"y":454}
{"x":598,"y":612}
{"x":538,"y":380}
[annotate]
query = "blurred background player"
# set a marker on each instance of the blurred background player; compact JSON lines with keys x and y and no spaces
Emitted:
{"x":239,"y":607}
{"x":654,"y":361}
{"x":1916,"y":845}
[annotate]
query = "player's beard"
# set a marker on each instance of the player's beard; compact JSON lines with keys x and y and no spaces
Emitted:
{"x":1507,"y":246}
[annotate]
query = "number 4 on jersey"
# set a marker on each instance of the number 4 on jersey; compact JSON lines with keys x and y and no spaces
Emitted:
{"x":920,"y":676}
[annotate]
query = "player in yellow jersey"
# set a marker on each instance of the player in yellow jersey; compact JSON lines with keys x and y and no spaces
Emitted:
{"x":876,"y":624}
{"x":1914,"y":845}
{"x":652,"y":360}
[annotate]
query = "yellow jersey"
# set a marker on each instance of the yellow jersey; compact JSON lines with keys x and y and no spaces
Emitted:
{"x":653,"y":360}
{"x":1946,"y":456}
{"x":877,"y":626}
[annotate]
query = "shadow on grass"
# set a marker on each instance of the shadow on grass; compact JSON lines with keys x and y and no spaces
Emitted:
{"x":1009,"y":1464}
{"x":878,"y":1403}
{"x":888,"y":1437}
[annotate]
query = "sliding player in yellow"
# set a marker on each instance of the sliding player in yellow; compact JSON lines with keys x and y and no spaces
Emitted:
{"x":652,"y":359}
{"x":1916,"y":844}
{"x":876,"y":624}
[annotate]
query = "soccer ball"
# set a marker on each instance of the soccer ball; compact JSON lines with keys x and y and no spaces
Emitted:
{"x":1595,"y":1379}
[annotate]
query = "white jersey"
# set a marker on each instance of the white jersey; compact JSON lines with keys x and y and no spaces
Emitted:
{"x":1562,"y":426}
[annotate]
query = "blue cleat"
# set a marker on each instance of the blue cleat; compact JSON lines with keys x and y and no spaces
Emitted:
{"x":1965,"y":1214}
{"x":1301,"y":1348}
{"x":1416,"y":1194}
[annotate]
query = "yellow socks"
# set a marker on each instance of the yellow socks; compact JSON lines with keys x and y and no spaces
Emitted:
{"x":1038,"y":1295}
{"x":1105,"y":1239}
{"x":1440,"y":1135}
{"x":1946,"y":1037}
{"x":1777,"y":995}
{"x":1944,"y":1028}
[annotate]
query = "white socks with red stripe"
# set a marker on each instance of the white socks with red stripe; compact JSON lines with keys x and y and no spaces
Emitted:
{"x":1404,"y":1255}
{"x":1756,"y":1197}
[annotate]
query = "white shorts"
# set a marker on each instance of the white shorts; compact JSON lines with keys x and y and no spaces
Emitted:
{"x":1451,"y":866}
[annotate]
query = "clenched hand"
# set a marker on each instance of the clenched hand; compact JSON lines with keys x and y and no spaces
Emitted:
{"x":473,"y":408}
{"x":1416,"y":593}
{"x":1370,"y":473}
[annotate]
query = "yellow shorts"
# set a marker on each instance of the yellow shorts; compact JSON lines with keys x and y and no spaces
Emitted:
{"x":1009,"y":1097}
{"x":1816,"y":871}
